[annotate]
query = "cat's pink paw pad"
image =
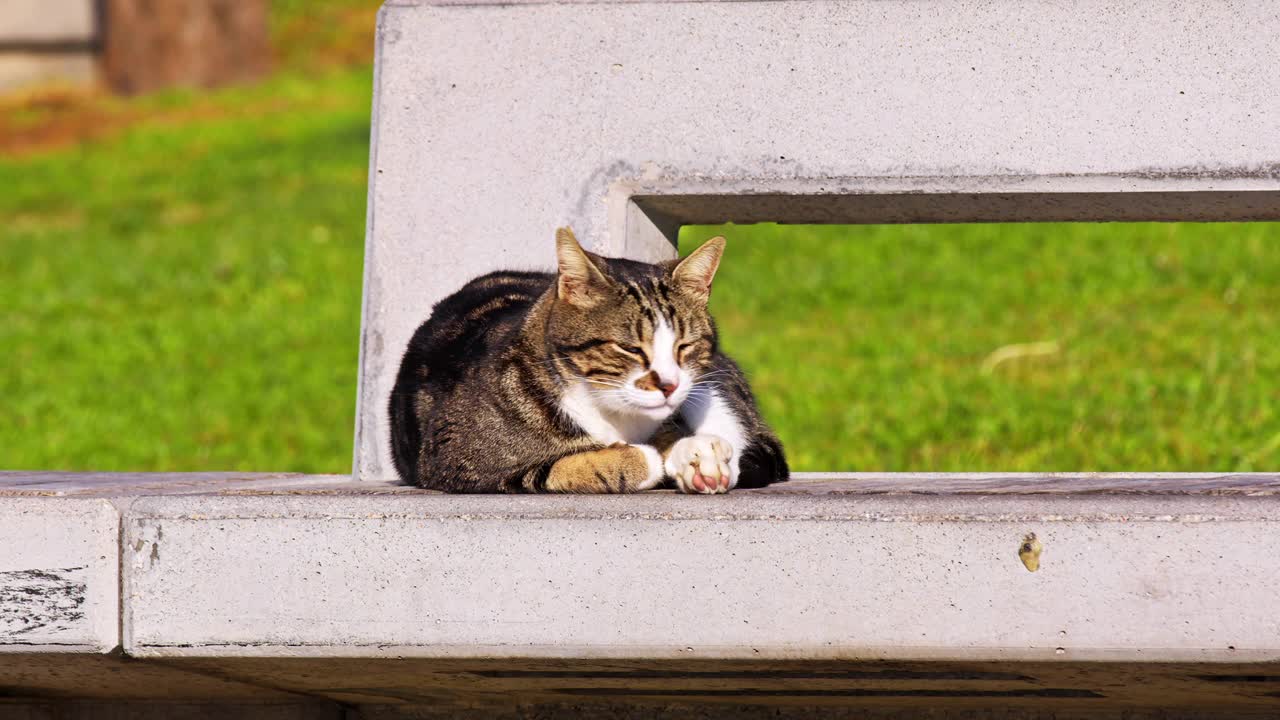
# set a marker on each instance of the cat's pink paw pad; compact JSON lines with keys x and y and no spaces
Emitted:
{"x":700,"y":464}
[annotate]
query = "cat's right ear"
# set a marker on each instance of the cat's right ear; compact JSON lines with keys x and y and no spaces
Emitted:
{"x":580,"y":282}
{"x":696,"y":272}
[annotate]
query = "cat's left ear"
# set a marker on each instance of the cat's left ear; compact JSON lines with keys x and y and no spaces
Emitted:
{"x":579,"y":281}
{"x":696,"y":272}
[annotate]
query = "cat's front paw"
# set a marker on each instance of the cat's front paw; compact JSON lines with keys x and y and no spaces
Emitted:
{"x":700,"y":464}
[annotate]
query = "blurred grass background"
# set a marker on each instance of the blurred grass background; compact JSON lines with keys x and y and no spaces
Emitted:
{"x":181,"y":291}
{"x":1045,"y":347}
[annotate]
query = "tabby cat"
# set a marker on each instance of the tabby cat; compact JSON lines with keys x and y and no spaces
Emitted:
{"x":604,"y":377}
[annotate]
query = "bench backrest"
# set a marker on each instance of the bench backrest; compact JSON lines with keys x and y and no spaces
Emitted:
{"x":494,"y":123}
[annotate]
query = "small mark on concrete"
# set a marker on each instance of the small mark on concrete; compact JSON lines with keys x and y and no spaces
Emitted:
{"x":1029,"y":552}
{"x":49,"y":599}
{"x":146,"y":546}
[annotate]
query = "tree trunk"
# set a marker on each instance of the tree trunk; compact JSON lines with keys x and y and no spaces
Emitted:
{"x":152,"y":44}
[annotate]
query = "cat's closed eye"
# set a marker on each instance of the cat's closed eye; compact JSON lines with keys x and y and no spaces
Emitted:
{"x":683,"y":350}
{"x":632,"y":351}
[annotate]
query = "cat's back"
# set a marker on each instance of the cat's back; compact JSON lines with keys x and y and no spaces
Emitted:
{"x":460,"y":335}
{"x":465,"y":326}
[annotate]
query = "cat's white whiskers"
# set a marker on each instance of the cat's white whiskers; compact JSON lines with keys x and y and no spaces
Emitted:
{"x":714,"y":373}
{"x":621,"y":386}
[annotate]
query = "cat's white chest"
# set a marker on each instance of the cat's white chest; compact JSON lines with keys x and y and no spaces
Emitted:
{"x":604,"y":427}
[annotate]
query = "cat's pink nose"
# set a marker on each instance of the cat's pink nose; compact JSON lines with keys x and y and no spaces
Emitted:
{"x":668,"y":387}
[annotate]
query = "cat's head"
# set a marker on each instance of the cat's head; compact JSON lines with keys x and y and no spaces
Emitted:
{"x":637,"y":335}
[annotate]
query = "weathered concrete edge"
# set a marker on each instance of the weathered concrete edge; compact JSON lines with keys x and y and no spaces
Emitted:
{"x":1258,"y":177}
{"x":108,"y":629}
{"x":369,"y":276}
{"x":125,"y":486}
{"x":670,"y":507}
{"x":761,"y":652}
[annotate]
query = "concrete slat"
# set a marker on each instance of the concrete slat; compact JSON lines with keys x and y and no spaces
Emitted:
{"x":59,"y":576}
{"x":1124,"y":578}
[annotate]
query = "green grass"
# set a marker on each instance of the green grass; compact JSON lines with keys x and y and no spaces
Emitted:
{"x":866,"y":344}
{"x":186,"y":297}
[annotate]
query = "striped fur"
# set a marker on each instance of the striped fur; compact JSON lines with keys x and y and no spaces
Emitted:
{"x":603,"y":377}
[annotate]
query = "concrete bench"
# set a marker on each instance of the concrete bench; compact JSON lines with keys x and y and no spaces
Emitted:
{"x":296,"y":596}
{"x":875,"y":595}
